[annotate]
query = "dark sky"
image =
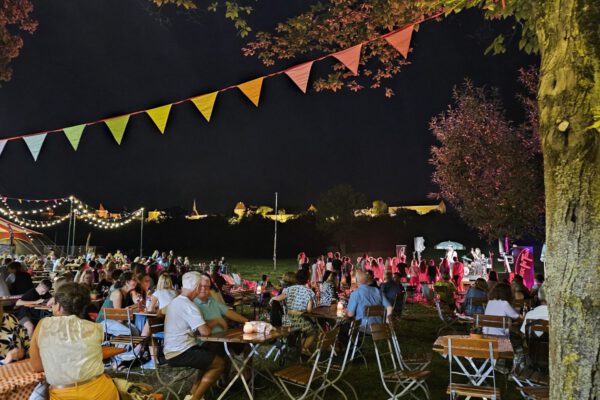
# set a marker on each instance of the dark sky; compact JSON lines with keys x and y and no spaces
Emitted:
{"x":93,"y":59}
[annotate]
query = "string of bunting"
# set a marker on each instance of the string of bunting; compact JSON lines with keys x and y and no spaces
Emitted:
{"x":299,"y":74}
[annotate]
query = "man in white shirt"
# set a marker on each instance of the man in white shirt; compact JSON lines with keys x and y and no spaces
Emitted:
{"x":182,"y":321}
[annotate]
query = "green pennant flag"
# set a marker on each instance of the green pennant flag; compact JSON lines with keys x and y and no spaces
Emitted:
{"x":35,"y":144}
{"x":117,"y":127}
{"x":74,"y":133}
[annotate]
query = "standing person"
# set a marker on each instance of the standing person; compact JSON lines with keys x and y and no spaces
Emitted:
{"x":414,"y":275}
{"x":458,"y":272}
{"x":69,"y":349}
{"x":337,"y":268}
{"x":183,"y":321}
{"x":402,"y":268}
{"x":347,"y":268}
{"x":432,"y":271}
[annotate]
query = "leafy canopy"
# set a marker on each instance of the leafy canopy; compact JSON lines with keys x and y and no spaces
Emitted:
{"x":489,"y":169}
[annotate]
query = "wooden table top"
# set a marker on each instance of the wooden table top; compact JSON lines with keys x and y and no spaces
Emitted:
{"x":237,"y":335}
{"x":505,"y":348}
{"x":326,"y":313}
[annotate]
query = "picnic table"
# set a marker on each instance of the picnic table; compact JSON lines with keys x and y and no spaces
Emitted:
{"x":255,"y":341}
{"x":18,"y":380}
{"x":505,"y":348}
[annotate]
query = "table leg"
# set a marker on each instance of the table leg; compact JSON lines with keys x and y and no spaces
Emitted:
{"x":239,"y":368}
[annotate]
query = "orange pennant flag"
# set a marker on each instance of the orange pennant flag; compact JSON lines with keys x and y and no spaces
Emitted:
{"x":401,"y":40}
{"x":350,"y":58}
{"x":205,"y":104}
{"x":300,"y":74}
{"x":252,"y":89}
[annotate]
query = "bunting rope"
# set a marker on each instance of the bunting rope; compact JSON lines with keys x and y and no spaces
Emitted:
{"x":299,"y":74}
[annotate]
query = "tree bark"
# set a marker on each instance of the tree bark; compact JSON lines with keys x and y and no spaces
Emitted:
{"x":569,"y":97}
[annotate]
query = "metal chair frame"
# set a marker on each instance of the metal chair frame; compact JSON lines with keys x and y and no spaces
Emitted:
{"x":403,"y":381}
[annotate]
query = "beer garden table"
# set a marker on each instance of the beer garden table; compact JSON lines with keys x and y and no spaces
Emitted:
{"x":255,"y":341}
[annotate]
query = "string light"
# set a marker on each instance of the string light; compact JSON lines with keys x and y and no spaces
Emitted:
{"x":80,"y":211}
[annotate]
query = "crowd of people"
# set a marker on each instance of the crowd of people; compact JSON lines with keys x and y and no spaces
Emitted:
{"x":194,"y":302}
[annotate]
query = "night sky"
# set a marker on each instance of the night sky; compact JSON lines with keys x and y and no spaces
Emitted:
{"x":95,"y":59}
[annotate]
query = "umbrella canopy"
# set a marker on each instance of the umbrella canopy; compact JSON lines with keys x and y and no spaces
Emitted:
{"x":449,"y":243}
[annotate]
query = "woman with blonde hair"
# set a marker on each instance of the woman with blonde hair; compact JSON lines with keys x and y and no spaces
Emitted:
{"x":163,"y":294}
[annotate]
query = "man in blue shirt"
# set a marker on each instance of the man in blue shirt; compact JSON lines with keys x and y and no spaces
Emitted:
{"x":364,"y":296}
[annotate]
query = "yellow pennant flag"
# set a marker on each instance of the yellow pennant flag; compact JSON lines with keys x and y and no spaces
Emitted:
{"x":252,"y":89}
{"x":117,"y":127}
{"x":205,"y":104}
{"x":160,"y":115}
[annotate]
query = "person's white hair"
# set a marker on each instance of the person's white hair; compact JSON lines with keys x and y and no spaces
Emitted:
{"x":190,"y":280}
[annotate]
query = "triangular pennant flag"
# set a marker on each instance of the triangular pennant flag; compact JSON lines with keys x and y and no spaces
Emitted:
{"x":2,"y":144}
{"x":117,"y":127}
{"x":160,"y":115}
{"x":300,"y":75}
{"x":401,"y":40}
{"x":74,"y":133}
{"x":252,"y":89}
{"x":35,"y":144}
{"x":350,"y":57}
{"x":205,"y":104}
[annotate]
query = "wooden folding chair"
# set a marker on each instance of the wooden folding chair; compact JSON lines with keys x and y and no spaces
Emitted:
{"x":395,"y":380}
{"x":304,"y":376}
{"x":340,"y":368}
{"x":445,"y":312}
{"x":130,"y":341}
{"x":535,"y":372}
{"x":536,"y":392}
{"x":492,"y":321}
{"x":474,"y":360}
{"x":157,"y":327}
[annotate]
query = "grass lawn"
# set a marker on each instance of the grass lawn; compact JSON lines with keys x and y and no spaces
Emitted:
{"x":417,"y":332}
{"x":253,"y":269}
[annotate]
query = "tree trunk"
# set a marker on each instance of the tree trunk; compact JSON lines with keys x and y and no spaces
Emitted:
{"x":569,"y":97}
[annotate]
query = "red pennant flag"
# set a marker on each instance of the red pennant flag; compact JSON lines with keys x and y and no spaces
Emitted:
{"x":401,"y":40}
{"x":350,"y":57}
{"x":300,"y":74}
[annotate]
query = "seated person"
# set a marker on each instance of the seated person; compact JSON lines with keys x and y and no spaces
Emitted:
{"x":126,"y":283}
{"x":300,"y":299}
{"x":538,"y":289}
{"x":540,"y":312}
{"x":327,"y":292}
{"x":183,"y":321}
{"x":366,"y":295}
{"x":163,"y":294}
{"x":447,"y":296}
{"x":69,"y":349}
{"x":499,"y":305}
{"x":477,"y":291}
{"x":18,"y":280}
{"x":277,"y":311}
{"x":38,"y":295}
{"x":391,"y":289}
{"x":14,"y":341}
{"x":518,"y":288}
